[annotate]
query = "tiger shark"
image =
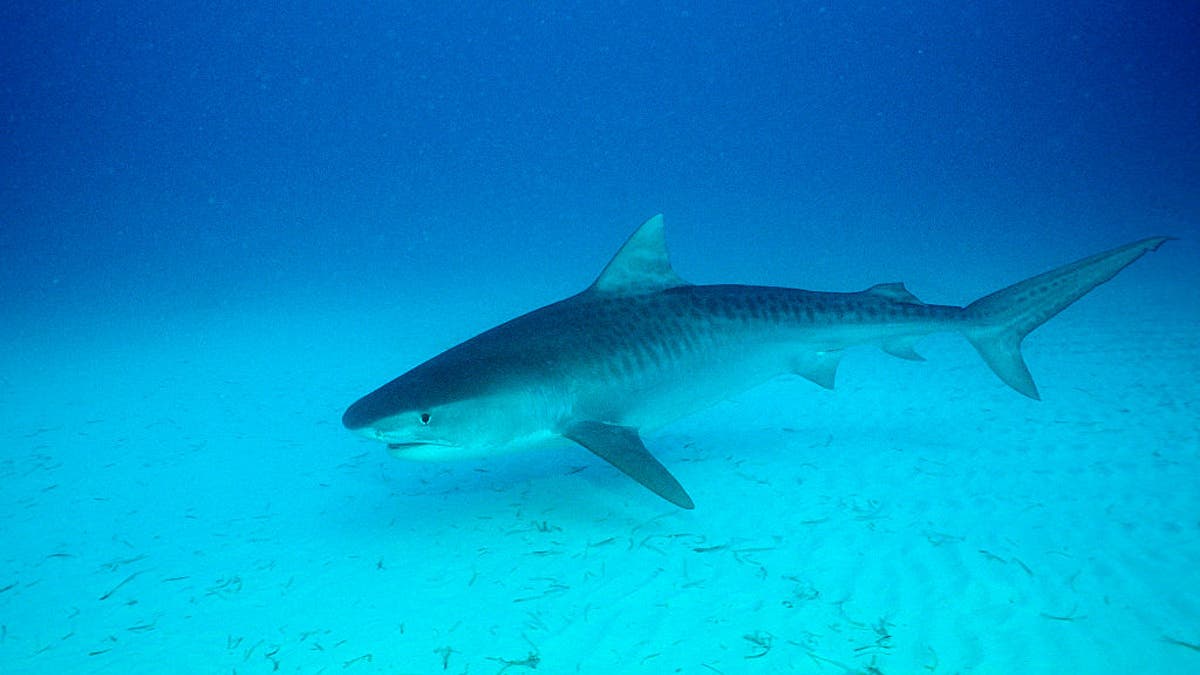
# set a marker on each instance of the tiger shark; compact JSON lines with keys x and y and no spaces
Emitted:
{"x":641,"y":347}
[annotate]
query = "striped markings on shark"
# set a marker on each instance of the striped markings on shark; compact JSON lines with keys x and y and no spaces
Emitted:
{"x":641,"y":347}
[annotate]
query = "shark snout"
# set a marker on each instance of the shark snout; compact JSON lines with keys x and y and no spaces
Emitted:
{"x":360,"y":415}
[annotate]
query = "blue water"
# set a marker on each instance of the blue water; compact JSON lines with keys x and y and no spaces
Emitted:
{"x":223,"y":222}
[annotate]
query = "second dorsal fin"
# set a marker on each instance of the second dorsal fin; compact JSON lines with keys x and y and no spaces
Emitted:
{"x":894,"y":291}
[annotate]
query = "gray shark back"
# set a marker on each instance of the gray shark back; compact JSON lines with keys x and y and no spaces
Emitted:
{"x":611,"y":352}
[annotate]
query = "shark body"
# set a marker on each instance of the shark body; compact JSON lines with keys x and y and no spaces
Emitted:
{"x":641,"y":347}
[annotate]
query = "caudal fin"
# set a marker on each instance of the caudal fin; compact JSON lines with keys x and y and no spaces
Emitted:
{"x":997,"y":323}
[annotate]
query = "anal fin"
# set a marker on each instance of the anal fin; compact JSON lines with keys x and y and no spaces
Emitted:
{"x":623,"y":448}
{"x":904,"y":347}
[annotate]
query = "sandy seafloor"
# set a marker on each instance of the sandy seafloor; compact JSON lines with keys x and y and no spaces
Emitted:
{"x":179,"y":493}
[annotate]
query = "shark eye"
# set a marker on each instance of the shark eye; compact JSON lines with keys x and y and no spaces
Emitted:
{"x":424,"y":418}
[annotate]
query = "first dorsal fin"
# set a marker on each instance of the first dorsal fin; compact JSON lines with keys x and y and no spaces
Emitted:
{"x":641,"y":266}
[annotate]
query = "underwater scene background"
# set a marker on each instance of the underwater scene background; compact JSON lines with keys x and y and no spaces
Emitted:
{"x":223,"y":222}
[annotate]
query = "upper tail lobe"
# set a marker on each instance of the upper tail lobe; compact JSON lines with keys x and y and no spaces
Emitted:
{"x":996,"y":324}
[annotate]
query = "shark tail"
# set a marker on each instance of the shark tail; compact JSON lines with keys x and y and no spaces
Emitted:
{"x":996,"y":324}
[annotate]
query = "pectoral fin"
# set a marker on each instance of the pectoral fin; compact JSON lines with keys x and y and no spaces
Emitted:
{"x":623,"y":448}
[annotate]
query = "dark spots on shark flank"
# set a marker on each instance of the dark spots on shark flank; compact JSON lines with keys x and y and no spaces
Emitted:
{"x":777,"y":309}
{"x":733,"y":307}
{"x":820,"y":309}
{"x":753,"y":310}
{"x":728,"y":308}
{"x":641,"y":357}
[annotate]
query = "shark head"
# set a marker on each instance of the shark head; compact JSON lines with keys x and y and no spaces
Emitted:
{"x":543,"y":377}
{"x":447,"y":409}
